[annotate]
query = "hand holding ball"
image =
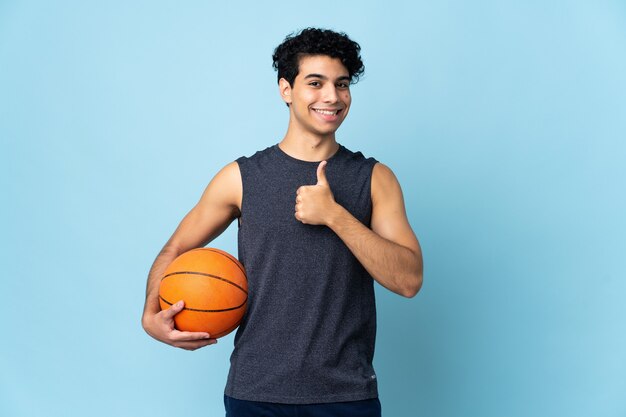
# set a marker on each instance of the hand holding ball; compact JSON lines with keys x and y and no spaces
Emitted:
{"x":214,"y":287}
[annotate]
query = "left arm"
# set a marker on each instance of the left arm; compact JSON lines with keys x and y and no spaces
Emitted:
{"x":389,"y":251}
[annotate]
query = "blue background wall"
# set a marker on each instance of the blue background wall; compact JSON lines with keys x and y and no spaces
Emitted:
{"x":504,"y":122}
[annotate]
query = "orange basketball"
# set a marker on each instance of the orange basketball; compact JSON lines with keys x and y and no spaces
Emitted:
{"x":214,"y":287}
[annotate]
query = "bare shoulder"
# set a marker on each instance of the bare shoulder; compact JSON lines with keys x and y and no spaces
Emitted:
{"x":225,"y":188}
{"x":217,"y":208}
{"x":389,"y":218}
{"x":384,"y":183}
{"x":230,"y":175}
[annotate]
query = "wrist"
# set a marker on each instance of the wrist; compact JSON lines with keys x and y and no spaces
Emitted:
{"x":334,"y":215}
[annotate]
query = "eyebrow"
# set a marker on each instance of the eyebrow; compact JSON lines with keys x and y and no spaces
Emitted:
{"x":323,"y":77}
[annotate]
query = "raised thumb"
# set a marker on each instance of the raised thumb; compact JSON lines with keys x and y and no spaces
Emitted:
{"x":321,"y":173}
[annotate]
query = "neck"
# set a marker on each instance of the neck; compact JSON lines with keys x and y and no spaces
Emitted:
{"x":308,"y":146}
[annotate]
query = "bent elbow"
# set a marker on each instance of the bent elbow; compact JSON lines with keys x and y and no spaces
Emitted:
{"x":415,"y":284}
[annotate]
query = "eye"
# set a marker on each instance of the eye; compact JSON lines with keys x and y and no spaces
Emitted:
{"x":343,"y":85}
{"x":314,"y":84}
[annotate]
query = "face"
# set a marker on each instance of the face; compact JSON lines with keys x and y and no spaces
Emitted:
{"x":320,"y":96}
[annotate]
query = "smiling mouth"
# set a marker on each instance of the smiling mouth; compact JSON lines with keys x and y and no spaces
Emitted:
{"x":328,"y":112}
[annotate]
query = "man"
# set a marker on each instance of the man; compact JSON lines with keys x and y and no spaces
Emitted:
{"x":316,"y":223}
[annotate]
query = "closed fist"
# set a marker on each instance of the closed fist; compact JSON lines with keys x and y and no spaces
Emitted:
{"x":315,"y":202}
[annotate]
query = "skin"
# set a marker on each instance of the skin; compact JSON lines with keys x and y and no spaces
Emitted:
{"x":389,"y":250}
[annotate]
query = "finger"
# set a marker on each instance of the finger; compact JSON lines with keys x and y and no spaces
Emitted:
{"x":174,"y":310}
{"x":179,"y":336}
{"x":195,"y":344}
{"x":321,"y":173}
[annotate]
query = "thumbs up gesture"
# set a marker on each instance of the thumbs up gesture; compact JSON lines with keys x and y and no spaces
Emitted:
{"x":314,"y":203}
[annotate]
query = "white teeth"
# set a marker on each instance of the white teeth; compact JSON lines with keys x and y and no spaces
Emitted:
{"x":326,"y":112}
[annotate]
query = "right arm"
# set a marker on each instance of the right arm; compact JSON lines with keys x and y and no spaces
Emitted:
{"x":219,"y":205}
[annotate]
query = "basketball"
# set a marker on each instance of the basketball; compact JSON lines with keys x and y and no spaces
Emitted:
{"x":213,"y":285}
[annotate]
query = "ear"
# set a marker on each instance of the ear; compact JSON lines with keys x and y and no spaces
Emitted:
{"x":285,"y":90}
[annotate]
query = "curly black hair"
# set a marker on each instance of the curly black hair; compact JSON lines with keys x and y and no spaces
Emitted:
{"x":313,"y":41}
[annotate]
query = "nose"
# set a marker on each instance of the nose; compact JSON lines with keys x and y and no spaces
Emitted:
{"x":330,"y":93}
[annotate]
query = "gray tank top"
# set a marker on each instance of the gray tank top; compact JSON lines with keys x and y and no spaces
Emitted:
{"x":309,"y":330}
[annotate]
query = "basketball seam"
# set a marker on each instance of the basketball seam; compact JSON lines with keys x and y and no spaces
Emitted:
{"x":207,"y":311}
{"x":204,"y":274}
{"x":230,"y":257}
